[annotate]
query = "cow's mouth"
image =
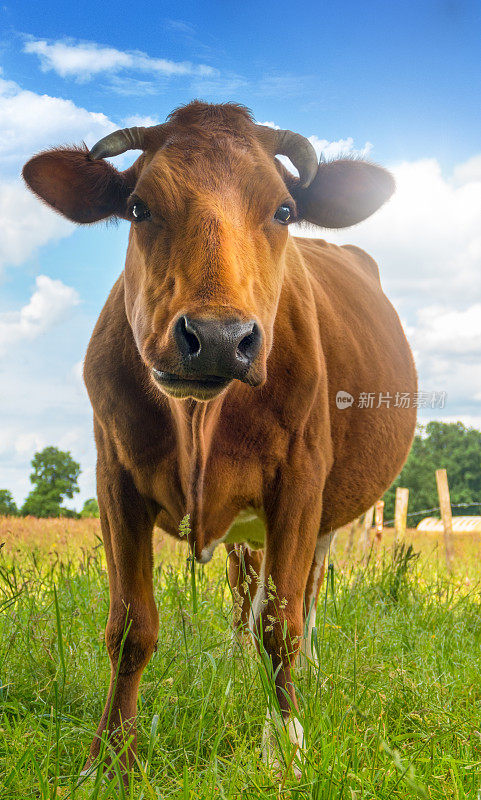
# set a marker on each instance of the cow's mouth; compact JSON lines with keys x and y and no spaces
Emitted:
{"x":204,"y":388}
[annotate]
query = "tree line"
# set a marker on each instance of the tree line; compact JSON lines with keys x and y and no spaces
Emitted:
{"x":448,"y":445}
{"x":438,"y":444}
{"x":55,"y":478}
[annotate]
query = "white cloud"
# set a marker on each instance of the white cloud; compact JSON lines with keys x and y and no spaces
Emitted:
{"x":84,"y":60}
{"x":26,"y":224}
{"x":468,"y":171}
{"x":271,"y":125}
{"x":328,"y":151}
{"x":32,"y":122}
{"x":136,"y":120}
{"x":48,"y":305}
{"x":449,"y":332}
{"x":80,"y":59}
{"x":26,"y":443}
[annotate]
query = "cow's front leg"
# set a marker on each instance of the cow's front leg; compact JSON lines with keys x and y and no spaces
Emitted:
{"x":127,"y":521}
{"x":293,"y":514}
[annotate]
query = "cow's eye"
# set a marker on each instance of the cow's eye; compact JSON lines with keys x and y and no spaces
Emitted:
{"x":139,"y":211}
{"x":284,"y":214}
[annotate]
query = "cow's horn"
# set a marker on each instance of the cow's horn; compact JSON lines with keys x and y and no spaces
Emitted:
{"x":119,"y":142}
{"x":294,"y":146}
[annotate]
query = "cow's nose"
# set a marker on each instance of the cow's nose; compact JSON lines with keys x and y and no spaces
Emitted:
{"x":214,"y":347}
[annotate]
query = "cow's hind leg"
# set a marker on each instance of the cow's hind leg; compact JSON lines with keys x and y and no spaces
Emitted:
{"x":244,"y":566}
{"x":311,"y":597}
{"x":127,"y":522}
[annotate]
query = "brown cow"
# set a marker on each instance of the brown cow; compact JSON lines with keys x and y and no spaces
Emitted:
{"x":214,"y":367}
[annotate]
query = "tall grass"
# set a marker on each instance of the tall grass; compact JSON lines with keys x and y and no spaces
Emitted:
{"x":392,"y":711}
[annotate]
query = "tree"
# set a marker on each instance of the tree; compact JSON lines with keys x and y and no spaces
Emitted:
{"x":55,"y":476}
{"x":7,"y":504}
{"x":441,"y":444}
{"x":91,"y":508}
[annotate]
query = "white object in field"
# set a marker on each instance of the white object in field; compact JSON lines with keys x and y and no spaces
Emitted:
{"x":459,"y":525}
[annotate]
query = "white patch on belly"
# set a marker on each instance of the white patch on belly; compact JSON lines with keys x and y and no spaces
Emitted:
{"x":247,"y":515}
{"x":237,"y":534}
{"x":254,"y":535}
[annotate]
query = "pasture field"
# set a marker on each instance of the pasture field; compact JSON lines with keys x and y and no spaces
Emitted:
{"x":392,"y":711}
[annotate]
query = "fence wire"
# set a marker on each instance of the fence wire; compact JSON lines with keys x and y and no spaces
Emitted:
{"x":427,"y":511}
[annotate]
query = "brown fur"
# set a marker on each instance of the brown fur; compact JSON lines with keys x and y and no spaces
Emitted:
{"x":213,"y":248}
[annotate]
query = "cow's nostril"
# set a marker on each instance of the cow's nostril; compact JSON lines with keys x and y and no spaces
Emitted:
{"x":248,"y":347}
{"x":213,"y":347}
{"x":190,"y":337}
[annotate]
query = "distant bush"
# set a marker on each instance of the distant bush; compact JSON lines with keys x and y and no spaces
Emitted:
{"x":90,"y":508}
{"x":8,"y":506}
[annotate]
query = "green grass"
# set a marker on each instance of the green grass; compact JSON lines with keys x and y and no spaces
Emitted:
{"x":393,"y":710}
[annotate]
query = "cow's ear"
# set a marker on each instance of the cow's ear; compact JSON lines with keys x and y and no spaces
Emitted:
{"x":343,"y":193}
{"x":81,"y":189}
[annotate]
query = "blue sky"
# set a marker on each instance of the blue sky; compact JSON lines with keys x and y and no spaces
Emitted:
{"x":399,"y":81}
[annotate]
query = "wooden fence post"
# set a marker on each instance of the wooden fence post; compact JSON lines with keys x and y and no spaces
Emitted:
{"x":366,"y":527}
{"x":353,"y":531}
{"x":400,"y":513}
{"x":446,"y":514}
{"x":379,"y":519}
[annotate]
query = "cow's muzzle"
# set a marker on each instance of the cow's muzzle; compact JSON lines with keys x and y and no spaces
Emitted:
{"x":217,"y":347}
{"x":211,"y":353}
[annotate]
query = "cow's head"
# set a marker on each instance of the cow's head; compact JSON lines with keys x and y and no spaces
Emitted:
{"x":210,"y":208}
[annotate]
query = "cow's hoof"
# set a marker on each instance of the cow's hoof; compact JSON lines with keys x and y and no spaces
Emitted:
{"x":275,"y":730}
